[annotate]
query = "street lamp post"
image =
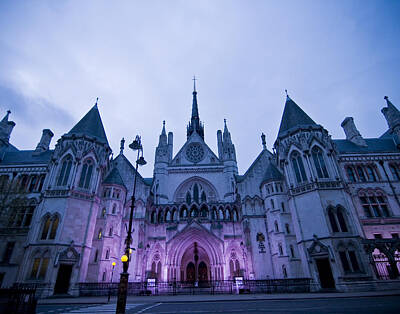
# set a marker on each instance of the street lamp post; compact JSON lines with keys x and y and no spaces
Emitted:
{"x":123,"y":283}
{"x":112,"y":275}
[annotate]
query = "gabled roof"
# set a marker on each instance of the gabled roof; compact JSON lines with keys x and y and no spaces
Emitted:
{"x":293,"y":116}
{"x":241,"y":178}
{"x":91,"y":125}
{"x":114,"y":177}
{"x":272,"y":174}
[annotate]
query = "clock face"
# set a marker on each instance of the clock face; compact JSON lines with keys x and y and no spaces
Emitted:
{"x":195,"y":152}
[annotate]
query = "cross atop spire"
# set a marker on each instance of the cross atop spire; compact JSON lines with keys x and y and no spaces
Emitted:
{"x":287,"y":95}
{"x":97,"y":99}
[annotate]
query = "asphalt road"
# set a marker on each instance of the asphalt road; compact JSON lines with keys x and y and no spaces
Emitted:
{"x":386,"y":304}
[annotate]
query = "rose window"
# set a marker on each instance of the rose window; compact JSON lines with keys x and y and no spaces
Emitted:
{"x":195,"y":152}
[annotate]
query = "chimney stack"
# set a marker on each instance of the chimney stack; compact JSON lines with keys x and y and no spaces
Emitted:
{"x":44,"y":141}
{"x":352,"y":134}
{"x":6,"y":128}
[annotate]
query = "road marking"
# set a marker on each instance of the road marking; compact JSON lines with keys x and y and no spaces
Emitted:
{"x":148,"y":308}
{"x":106,"y":308}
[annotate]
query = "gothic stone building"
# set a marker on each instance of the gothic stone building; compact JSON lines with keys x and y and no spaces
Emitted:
{"x":313,"y":208}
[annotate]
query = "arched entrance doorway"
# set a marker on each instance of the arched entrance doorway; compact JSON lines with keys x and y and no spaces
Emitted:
{"x":190,"y":272}
{"x":195,"y":265}
{"x":203,"y":274}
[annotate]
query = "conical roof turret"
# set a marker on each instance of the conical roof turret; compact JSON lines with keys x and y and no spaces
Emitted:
{"x":91,"y":125}
{"x":293,"y":116}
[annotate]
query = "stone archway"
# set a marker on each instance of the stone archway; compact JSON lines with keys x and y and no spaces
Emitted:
{"x":196,"y":245}
{"x":195,"y":264}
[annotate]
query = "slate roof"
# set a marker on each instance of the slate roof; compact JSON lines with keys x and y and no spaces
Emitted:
{"x":240,"y":178}
{"x":148,"y":181}
{"x":26,"y":157}
{"x":374,"y":145}
{"x":293,"y":116}
{"x":91,"y":125}
{"x":272,"y":174}
{"x":387,"y":134}
{"x":114,"y":177}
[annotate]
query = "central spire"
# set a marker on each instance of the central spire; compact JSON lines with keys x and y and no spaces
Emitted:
{"x":195,"y":125}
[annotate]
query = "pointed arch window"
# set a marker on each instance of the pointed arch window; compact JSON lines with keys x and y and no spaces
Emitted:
{"x":395,"y":172}
{"x":188,"y":198}
{"x":153,"y":217}
{"x":220,"y":214}
{"x":292,"y":251}
{"x":100,"y":234}
{"x":39,"y":267}
{"x":298,"y":167}
{"x":370,"y":174}
{"x":227,"y":214}
{"x":235,"y":215}
{"x":203,"y":197}
{"x":204,"y":211}
{"x":160,"y":219}
{"x":284,"y":271}
{"x":86,"y":174}
{"x":196,"y":193}
{"x":350,"y":174}
{"x":168,"y":216}
{"x":96,"y":256}
{"x":276,"y":226}
{"x":319,"y":162}
{"x":184,"y":212}
{"x":49,"y":228}
{"x":280,"y":249}
{"x":108,"y":254}
{"x":337,"y":219}
{"x":214,"y":214}
{"x":65,"y":170}
{"x":349,"y":260}
{"x":361,"y":174}
{"x":3,"y":182}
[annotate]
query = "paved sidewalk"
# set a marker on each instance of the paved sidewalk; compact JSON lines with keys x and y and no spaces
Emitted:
{"x":216,"y":298}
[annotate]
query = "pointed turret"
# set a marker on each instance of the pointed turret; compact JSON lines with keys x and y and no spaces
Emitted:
{"x":91,"y":125}
{"x":195,"y":124}
{"x":122,"y":146}
{"x":6,"y":128}
{"x":293,"y":116}
{"x":163,"y":136}
{"x":227,"y":134}
{"x":226,"y":150}
{"x":392,"y":116}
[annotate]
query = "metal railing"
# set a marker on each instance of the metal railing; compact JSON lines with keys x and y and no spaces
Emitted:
{"x":18,"y":300}
{"x":206,"y":287}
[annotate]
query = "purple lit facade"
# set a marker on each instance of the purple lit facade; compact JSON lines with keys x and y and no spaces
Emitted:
{"x":313,"y":208}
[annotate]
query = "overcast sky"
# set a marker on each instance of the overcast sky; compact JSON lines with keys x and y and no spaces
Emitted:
{"x":336,"y":58}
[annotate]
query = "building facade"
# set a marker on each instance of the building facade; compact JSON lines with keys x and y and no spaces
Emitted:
{"x":314,"y":207}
